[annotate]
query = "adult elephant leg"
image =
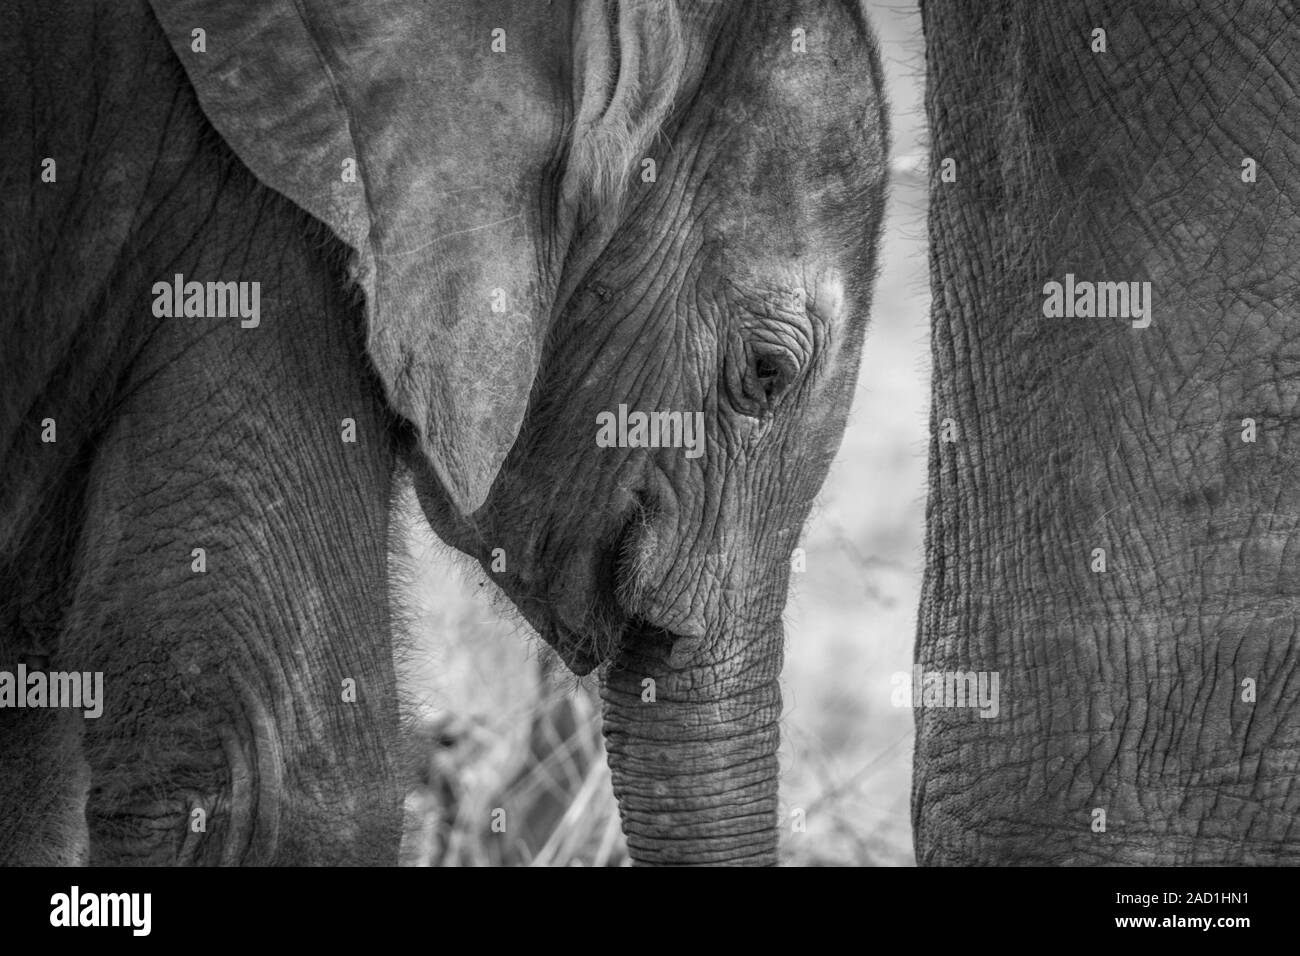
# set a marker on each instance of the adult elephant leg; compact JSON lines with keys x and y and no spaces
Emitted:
{"x":1114,"y":531}
{"x":234,"y":587}
{"x":229,"y":576}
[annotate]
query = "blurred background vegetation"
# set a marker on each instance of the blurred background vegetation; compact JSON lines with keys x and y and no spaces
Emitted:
{"x":506,"y":736}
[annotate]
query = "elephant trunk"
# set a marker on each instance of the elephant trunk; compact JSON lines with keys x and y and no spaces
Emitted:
{"x":692,"y":752}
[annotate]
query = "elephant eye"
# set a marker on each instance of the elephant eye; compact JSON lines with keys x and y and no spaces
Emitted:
{"x":768,"y":377}
{"x":768,"y":372}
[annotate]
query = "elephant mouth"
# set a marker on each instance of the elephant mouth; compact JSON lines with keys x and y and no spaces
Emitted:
{"x":587,"y":609}
{"x":582,"y":656}
{"x":608,"y":626}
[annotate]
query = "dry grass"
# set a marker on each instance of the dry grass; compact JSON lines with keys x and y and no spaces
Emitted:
{"x":548,"y":795}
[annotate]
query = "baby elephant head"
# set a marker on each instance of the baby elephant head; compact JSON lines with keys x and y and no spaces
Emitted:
{"x":692,"y":391}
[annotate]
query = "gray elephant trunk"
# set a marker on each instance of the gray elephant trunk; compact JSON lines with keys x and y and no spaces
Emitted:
{"x":692,"y":754}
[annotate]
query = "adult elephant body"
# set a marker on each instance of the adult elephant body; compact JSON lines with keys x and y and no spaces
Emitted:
{"x":1113,"y":531}
{"x":473,"y":229}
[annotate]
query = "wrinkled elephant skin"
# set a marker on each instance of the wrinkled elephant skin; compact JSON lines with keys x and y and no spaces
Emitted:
{"x":1113,"y":530}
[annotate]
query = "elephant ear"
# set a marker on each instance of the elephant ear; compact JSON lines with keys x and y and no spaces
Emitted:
{"x":433,"y":137}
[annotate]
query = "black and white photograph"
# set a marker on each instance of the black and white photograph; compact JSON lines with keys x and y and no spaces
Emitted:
{"x":606,"y":433}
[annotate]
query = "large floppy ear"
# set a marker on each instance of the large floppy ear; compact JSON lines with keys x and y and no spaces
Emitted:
{"x":434,"y":138}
